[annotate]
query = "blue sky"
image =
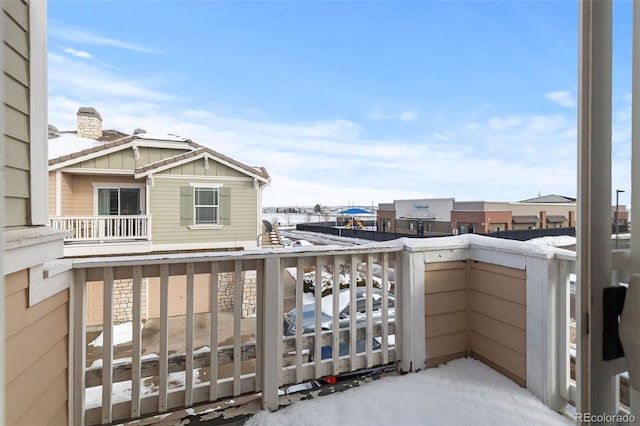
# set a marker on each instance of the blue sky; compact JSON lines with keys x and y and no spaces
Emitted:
{"x":347,"y":102}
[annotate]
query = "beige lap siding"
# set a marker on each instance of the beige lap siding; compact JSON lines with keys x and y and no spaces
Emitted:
{"x":478,"y":309}
{"x":36,"y":340}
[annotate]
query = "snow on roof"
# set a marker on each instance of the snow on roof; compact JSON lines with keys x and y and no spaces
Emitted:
{"x":161,"y":137}
{"x":558,"y":241}
{"x":68,"y":143}
{"x":462,"y":392}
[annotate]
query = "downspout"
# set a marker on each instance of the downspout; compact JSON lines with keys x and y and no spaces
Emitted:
{"x":630,"y":318}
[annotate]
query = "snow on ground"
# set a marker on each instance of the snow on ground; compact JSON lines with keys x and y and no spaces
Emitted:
{"x":557,"y":241}
{"x":122,"y":333}
{"x":463,"y":392}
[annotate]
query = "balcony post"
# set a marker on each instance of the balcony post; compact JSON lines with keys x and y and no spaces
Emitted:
{"x":412,"y":294}
{"x":271,"y":344}
{"x":543,"y":318}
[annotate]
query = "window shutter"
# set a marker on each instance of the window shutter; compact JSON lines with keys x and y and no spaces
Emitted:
{"x":186,"y":206}
{"x":225,"y":206}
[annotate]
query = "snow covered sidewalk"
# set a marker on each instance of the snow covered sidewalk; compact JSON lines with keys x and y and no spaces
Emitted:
{"x":462,"y":392}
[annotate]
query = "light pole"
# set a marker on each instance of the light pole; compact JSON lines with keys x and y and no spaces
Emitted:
{"x":618,"y":191}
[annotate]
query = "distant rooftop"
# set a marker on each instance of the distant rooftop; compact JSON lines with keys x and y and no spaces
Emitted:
{"x":552,"y":198}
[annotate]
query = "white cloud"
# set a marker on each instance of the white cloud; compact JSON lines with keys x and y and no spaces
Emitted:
{"x":407,"y":115}
{"x":77,"y":35}
{"x":77,"y":53}
{"x":564,"y":98}
{"x":493,"y":158}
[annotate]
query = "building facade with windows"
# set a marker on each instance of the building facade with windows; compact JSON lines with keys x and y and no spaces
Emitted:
{"x":142,"y":193}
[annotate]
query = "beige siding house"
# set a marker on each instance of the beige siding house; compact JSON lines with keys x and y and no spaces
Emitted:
{"x":139,"y":193}
{"x":35,"y":303}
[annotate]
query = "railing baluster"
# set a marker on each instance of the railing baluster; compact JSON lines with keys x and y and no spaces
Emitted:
{"x":397,"y":275}
{"x":107,"y":346}
{"x":237,"y":332}
{"x":563,"y":329}
{"x":353,"y":312}
{"x":369,"y":284}
{"x":213,"y":368}
{"x":188,"y":393}
{"x":335,"y":347}
{"x":164,"y":338}
{"x":385,"y":308}
{"x":260,"y":283}
{"x":136,"y":342}
{"x":300,"y":317}
{"x":317,"y":349}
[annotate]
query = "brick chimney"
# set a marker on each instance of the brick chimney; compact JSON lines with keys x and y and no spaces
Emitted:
{"x":543,"y":219}
{"x":89,"y":123}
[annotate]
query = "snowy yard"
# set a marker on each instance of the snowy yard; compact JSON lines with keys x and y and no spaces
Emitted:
{"x":463,"y":392}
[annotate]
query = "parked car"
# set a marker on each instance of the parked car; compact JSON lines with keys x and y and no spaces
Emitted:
{"x":301,"y":243}
{"x":344,"y":313}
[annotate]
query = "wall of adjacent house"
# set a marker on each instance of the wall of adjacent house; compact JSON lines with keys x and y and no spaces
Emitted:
{"x":80,"y":200}
{"x":165,"y":208}
{"x":15,"y":34}
{"x":36,"y":355}
{"x":479,"y":309}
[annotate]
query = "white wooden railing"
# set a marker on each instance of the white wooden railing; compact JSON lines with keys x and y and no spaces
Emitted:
{"x":104,"y":228}
{"x":261,"y":365}
{"x":270,"y":361}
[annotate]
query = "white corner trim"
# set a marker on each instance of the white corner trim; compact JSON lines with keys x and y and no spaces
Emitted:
{"x":58,"y":193}
{"x":196,"y":227}
{"x":38,"y":133}
{"x":42,"y":288}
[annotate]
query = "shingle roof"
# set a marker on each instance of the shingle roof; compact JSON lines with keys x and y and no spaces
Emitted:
{"x":525,"y":219}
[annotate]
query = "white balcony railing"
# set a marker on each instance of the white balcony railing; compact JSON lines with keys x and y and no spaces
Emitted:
{"x":104,"y":228}
{"x":444,"y":291}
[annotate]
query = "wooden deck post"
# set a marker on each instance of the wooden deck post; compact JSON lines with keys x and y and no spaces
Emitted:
{"x":271,"y":345}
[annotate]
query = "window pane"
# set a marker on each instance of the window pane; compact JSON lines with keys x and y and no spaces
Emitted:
{"x":130,"y":201}
{"x":206,"y":197}
{"x":206,"y":215}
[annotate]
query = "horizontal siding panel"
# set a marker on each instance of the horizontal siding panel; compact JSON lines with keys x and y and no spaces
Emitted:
{"x":18,"y":12}
{"x":505,"y":357}
{"x":15,"y":65}
{"x":21,"y":352}
{"x":47,"y":407}
{"x":25,"y":392}
{"x":16,"y":153}
{"x":498,"y":269}
{"x":165,"y":209}
{"x":14,"y":35}
{"x":451,"y":322}
{"x":447,"y":344}
{"x":52,"y":193}
{"x":61,"y":418}
{"x":444,"y":302}
{"x":16,"y":282}
{"x":445,"y":280}
{"x":16,"y":211}
{"x":16,"y":124}
{"x":16,"y":308}
{"x":504,"y":333}
{"x":16,"y":183}
{"x":500,"y":309}
{"x":16,"y":95}
{"x":499,"y":285}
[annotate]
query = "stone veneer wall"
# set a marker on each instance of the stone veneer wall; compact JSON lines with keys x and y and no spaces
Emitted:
{"x":89,"y":124}
{"x":249,"y":292}
{"x":123,"y":300}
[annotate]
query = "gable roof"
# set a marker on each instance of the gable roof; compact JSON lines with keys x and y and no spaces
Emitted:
{"x":66,"y":153}
{"x":551,"y":198}
{"x":201,"y":152}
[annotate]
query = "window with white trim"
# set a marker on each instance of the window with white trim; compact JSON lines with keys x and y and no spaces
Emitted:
{"x":206,"y":203}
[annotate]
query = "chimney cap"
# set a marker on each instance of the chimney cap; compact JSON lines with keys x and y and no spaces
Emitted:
{"x":139,"y":131}
{"x":89,"y":112}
